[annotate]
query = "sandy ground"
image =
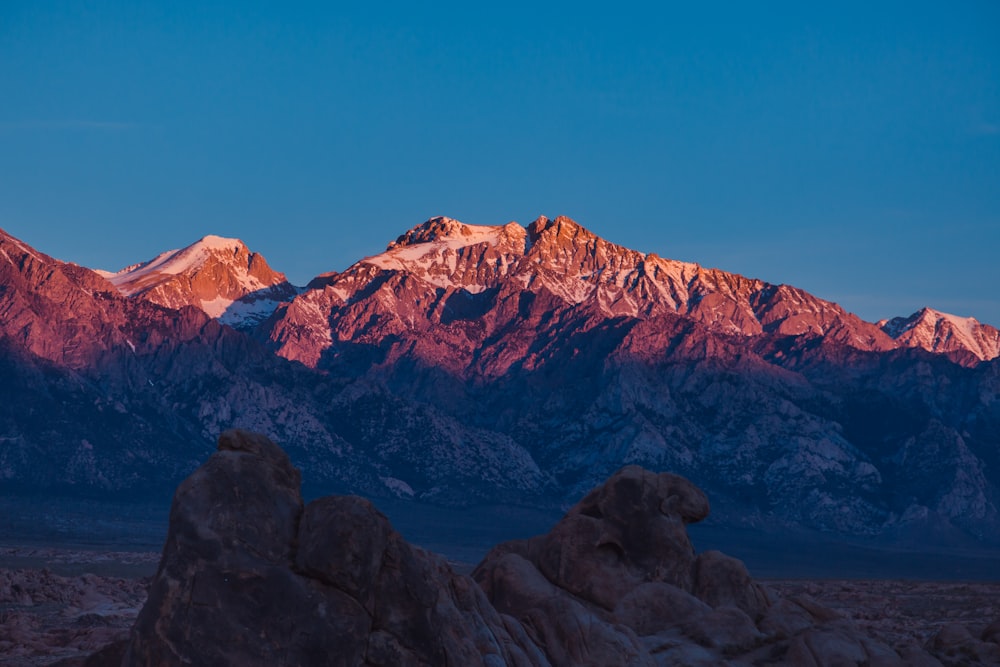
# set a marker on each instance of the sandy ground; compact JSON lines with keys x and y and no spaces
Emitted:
{"x":894,"y":611}
{"x":63,"y":611}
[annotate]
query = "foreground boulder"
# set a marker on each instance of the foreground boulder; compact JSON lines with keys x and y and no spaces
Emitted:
{"x":250,"y":576}
{"x":617,"y":582}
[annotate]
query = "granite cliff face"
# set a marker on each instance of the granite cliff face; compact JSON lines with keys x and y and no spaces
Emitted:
{"x":251,"y":576}
{"x":472,"y":364}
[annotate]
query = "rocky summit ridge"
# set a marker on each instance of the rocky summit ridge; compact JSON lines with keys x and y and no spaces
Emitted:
{"x":443,"y":271}
{"x":250,"y":575}
{"x":235,"y":285}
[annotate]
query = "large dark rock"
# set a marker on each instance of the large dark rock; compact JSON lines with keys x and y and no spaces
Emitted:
{"x":251,"y":577}
{"x":617,"y":582}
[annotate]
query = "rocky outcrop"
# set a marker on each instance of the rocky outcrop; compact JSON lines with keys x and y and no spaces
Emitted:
{"x":617,"y":582}
{"x":251,"y":576}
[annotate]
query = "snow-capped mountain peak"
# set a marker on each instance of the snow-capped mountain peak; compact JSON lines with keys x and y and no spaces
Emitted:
{"x":219,"y":275}
{"x":448,"y":253}
{"x":940,"y":332}
{"x":138,"y":277}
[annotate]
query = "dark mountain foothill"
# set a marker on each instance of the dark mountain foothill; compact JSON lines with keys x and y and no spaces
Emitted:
{"x":251,"y":575}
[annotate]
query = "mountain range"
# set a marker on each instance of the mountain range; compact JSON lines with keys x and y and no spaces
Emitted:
{"x":481,"y":364}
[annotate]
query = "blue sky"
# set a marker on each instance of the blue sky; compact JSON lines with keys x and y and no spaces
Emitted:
{"x":848,"y":149}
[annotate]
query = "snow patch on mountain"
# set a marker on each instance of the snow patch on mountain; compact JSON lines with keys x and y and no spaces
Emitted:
{"x":448,"y":239}
{"x":964,"y":326}
{"x":398,"y":487}
{"x":446,"y":253}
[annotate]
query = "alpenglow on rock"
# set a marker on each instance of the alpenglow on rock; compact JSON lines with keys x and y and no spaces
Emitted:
{"x":218,"y":275}
{"x":250,"y":576}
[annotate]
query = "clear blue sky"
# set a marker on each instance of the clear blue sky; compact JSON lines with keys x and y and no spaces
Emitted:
{"x":852,"y":149}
